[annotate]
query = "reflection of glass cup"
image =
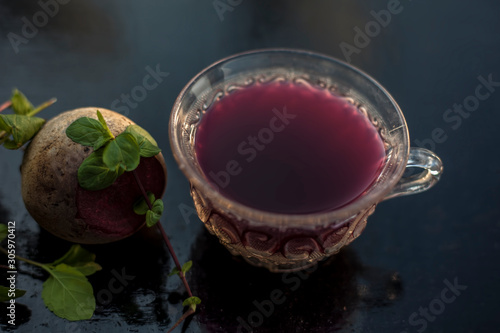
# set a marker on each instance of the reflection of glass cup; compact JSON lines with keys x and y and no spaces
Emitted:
{"x":286,"y":242}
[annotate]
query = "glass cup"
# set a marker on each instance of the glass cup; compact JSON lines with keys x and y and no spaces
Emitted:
{"x":289,"y":242}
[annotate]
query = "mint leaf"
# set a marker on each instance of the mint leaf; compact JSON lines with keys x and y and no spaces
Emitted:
{"x":187,"y":266}
{"x":148,"y":150}
{"x":158,"y":206}
{"x":123,"y":152}
{"x":22,"y":128}
{"x":138,"y":131}
{"x":148,"y":146}
{"x":20,"y":103}
{"x":101,"y":119}
{"x":75,"y":254}
{"x":68,"y":293}
{"x":88,"y":268}
{"x":103,"y":122}
{"x":80,"y":259}
{"x":174,"y":271}
{"x":153,"y":216}
{"x":3,"y":232}
{"x":7,"y":294}
{"x":89,"y":132}
{"x":192,"y":302}
{"x":94,"y":175}
{"x":141,"y":206}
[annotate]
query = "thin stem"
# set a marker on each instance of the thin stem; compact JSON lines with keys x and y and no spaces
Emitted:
{"x":177,"y":264}
{"x":165,"y":237}
{"x":5,"y":105}
{"x":5,"y":267}
{"x":42,"y":106}
{"x":189,"y":312}
{"x":23,"y":259}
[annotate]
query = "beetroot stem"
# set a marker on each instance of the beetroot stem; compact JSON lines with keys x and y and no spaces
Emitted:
{"x":164,"y":234}
{"x":5,"y":105}
{"x":189,"y":312}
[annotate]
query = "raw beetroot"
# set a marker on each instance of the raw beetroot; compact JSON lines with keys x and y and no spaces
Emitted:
{"x":56,"y":201}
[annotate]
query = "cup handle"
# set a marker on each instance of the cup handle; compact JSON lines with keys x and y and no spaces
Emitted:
{"x":422,"y":181}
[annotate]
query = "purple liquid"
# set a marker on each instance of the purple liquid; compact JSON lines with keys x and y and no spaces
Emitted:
{"x":288,"y":148}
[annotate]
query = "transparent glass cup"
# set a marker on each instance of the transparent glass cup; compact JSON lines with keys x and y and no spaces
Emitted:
{"x":288,"y":242}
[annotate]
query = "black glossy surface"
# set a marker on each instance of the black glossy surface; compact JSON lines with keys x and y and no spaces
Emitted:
{"x":428,"y":57}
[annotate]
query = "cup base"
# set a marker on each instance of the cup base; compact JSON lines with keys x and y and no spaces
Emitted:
{"x":279,"y":250}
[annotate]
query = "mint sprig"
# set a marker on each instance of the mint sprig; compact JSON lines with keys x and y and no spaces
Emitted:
{"x":185,"y":268}
{"x":141,"y":206}
{"x":192,"y":302}
{"x":122,"y":152}
{"x":66,"y":292}
{"x":152,"y":215}
{"x":111,"y":157}
{"x":18,"y":128}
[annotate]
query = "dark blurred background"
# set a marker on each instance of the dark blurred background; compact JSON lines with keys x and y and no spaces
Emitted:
{"x":429,"y":55}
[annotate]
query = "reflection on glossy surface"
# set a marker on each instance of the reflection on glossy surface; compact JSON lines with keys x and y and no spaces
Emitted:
{"x":132,"y":289}
{"x":289,"y":302}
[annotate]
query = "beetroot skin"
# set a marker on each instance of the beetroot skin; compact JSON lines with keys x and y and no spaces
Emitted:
{"x":56,"y":201}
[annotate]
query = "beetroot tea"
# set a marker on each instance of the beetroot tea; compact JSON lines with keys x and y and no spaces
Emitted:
{"x":288,"y":152}
{"x":288,"y":148}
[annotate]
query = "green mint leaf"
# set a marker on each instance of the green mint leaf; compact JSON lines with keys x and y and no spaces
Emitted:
{"x":122,"y":152}
{"x":3,"y":232}
{"x":192,"y":301}
{"x":7,"y":294}
{"x":89,"y":132}
{"x":158,"y":206}
{"x":148,"y":150}
{"x":138,"y":131}
{"x":94,"y":175}
{"x":21,"y":129}
{"x":20,"y":103}
{"x":152,"y":218}
{"x":101,"y":119}
{"x":103,"y":122}
{"x":80,"y":259}
{"x":148,"y":146}
{"x":174,"y":271}
{"x":187,"y":266}
{"x":141,"y":207}
{"x":88,"y":268}
{"x":68,"y":293}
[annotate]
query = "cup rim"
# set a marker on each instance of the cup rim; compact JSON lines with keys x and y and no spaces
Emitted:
{"x":271,"y":219}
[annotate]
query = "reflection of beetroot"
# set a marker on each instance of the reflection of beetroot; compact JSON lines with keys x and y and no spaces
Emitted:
{"x":55,"y":200}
